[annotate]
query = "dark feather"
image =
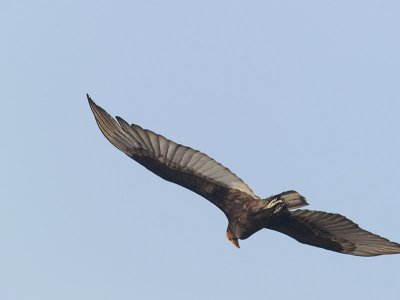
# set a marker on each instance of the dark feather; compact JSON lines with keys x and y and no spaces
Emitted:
{"x":176,"y":163}
{"x":331,"y":231}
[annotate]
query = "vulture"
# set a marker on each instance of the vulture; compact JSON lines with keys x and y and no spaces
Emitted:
{"x":246,"y":212}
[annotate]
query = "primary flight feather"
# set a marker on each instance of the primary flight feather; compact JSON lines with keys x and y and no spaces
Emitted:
{"x":246,"y":212}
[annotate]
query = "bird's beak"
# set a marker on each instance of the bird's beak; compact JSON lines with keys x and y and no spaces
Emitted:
{"x":236,"y":243}
{"x":232,"y":239}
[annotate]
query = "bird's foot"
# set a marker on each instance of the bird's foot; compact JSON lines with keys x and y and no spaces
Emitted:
{"x":278,"y":204}
{"x":274,"y":202}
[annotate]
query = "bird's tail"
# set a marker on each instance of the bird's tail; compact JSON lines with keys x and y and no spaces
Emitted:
{"x":292,"y":199}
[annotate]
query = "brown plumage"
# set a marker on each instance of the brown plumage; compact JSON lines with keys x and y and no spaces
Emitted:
{"x":246,"y":212}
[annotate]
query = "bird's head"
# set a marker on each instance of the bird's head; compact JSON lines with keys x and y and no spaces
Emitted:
{"x":232,"y":238}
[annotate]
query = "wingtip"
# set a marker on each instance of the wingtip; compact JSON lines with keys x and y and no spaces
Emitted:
{"x":89,"y":99}
{"x":94,"y":107}
{"x":92,"y":104}
{"x":119,"y":119}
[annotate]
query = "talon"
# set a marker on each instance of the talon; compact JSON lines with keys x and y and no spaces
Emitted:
{"x":280,"y":207}
{"x":274,"y":202}
{"x":278,"y":204}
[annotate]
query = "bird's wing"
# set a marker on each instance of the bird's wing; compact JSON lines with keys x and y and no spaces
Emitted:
{"x":180,"y":164}
{"x":331,"y":231}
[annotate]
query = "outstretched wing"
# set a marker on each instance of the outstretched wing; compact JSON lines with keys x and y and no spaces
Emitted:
{"x":333,"y":232}
{"x":176,"y":163}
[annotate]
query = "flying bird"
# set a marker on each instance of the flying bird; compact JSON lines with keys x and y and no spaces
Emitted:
{"x":246,"y":212}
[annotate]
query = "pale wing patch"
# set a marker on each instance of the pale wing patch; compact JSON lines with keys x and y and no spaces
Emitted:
{"x":136,"y":141}
{"x":239,"y":186}
{"x":168,"y":151}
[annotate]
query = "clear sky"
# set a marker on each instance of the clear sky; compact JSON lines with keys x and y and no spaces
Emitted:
{"x":297,"y":95}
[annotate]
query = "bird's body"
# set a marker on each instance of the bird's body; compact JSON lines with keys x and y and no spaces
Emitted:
{"x":246,"y":212}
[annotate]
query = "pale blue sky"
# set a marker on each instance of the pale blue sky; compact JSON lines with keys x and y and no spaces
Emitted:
{"x":288,"y":94}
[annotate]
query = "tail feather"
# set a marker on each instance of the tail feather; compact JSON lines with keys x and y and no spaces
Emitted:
{"x":292,"y":199}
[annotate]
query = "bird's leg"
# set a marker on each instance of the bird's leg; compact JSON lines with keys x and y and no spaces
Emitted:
{"x":276,"y":203}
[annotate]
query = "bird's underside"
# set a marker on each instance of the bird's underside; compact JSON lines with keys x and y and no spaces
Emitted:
{"x":246,"y":212}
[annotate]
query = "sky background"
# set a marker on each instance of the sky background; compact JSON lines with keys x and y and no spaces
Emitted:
{"x":297,"y":95}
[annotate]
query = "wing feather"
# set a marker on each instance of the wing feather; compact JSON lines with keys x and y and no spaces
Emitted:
{"x":155,"y":142}
{"x":164,"y":144}
{"x":144,"y":137}
{"x":180,"y":151}
{"x":169,"y":160}
{"x":186,"y":157}
{"x":195,"y":158}
{"x":331,"y":231}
